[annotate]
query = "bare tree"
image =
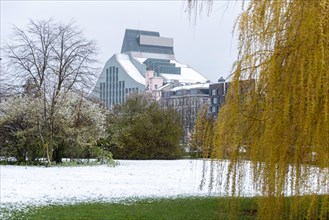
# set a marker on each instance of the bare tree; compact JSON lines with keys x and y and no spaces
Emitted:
{"x":53,"y":59}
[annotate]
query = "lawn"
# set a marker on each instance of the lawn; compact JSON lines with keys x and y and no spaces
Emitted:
{"x":164,"y":209}
{"x":38,"y":186}
{"x":97,"y":192}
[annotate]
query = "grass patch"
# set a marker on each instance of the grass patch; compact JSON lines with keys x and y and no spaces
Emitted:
{"x":165,"y":209}
{"x":201,"y":208}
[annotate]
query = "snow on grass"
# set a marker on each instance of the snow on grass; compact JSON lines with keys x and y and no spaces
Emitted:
{"x":24,"y":187}
{"x":21,"y":187}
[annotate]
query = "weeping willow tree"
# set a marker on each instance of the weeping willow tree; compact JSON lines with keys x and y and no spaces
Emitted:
{"x":277,"y":109}
{"x":202,"y":136}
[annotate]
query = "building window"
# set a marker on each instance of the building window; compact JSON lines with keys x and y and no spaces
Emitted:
{"x":213,"y":92}
{"x":214,"y":100}
{"x":107,"y":87}
{"x":119,"y":91}
{"x":123,"y":91}
{"x":101,"y":89}
{"x":213,"y":109}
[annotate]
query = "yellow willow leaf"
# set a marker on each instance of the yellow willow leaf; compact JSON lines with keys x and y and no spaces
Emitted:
{"x":277,"y":108}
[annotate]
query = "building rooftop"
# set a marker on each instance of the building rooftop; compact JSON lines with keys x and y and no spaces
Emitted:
{"x":187,"y":74}
{"x":193,"y":86}
{"x":129,"y":67}
{"x":144,"y":42}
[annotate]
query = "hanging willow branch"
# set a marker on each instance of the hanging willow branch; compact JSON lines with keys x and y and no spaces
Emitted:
{"x":277,"y":108}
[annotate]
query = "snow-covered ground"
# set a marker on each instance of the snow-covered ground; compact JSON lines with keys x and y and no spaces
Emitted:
{"x":22,"y":186}
{"x":36,"y":186}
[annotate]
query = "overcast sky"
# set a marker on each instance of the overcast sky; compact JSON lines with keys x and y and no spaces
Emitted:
{"x":207,"y":45}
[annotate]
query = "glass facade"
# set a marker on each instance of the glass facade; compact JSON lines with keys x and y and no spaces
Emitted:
{"x":161,"y":66}
{"x":131,"y":43}
{"x":112,"y":91}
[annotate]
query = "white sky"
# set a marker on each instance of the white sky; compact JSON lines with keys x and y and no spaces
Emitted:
{"x":207,"y":46}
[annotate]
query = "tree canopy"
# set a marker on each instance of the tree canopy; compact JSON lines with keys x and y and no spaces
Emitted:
{"x":141,"y":129}
{"x":77,"y":126}
{"x":202,"y":135}
{"x":49,"y":60}
{"x":277,"y":109}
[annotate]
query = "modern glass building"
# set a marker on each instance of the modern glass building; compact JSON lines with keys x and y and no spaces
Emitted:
{"x":142,"y":51}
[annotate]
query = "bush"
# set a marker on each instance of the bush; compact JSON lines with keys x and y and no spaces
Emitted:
{"x":74,"y":131}
{"x":140,"y":129}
